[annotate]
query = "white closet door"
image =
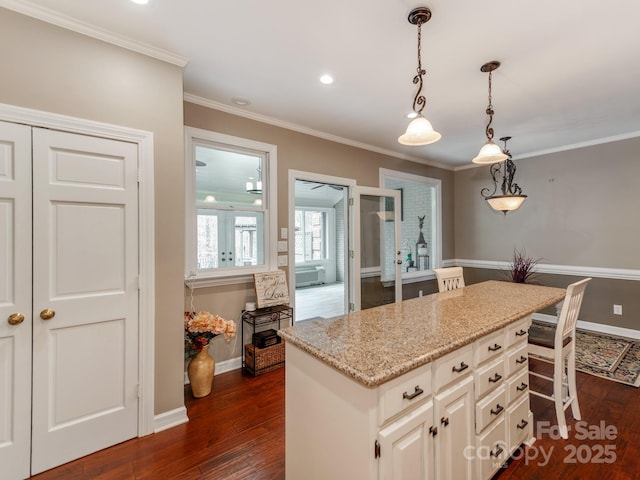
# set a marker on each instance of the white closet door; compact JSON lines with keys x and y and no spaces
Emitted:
{"x":15,"y":300}
{"x":85,"y":295}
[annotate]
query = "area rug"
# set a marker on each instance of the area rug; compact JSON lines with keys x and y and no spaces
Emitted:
{"x":607,"y":356}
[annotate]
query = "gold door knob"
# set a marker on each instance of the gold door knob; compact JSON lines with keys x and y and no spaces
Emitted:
{"x":47,"y":314}
{"x":15,"y":319}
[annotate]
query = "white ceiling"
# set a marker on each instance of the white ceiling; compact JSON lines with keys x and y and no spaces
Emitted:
{"x":570,"y":71}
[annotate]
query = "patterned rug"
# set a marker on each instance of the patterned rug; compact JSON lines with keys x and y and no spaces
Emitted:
{"x":607,"y":356}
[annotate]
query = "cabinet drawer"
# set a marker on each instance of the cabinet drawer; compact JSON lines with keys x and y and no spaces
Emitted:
{"x":518,"y":332}
{"x":452,"y":366}
{"x":403,"y":392}
{"x":518,"y":423}
{"x":491,"y":407}
{"x":489,"y":377}
{"x":517,"y":386}
{"x":517,"y":358}
{"x":489,"y":347}
{"x":491,"y":449}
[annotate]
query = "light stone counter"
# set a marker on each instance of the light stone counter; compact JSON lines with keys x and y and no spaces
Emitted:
{"x":376,"y":345}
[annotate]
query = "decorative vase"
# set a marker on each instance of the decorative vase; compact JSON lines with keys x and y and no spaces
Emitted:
{"x":200,"y":371}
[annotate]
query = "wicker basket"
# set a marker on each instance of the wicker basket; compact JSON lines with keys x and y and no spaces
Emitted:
{"x":262,"y":360}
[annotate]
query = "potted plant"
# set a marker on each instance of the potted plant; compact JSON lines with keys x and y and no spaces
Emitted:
{"x":522,"y":268}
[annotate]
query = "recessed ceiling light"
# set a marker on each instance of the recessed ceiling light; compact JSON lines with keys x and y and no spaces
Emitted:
{"x":140,"y":2}
{"x":326,"y":79}
{"x":240,"y":102}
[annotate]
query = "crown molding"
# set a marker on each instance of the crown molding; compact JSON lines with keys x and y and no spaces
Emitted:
{"x":64,"y":21}
{"x":204,"y":102}
{"x":563,"y":148}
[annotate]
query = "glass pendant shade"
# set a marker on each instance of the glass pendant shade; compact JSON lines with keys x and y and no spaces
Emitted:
{"x":490,"y":153}
{"x":419,"y":132}
{"x":506,"y":203}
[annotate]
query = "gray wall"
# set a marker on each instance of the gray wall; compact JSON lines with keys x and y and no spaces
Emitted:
{"x":55,"y":70}
{"x":582,"y":211}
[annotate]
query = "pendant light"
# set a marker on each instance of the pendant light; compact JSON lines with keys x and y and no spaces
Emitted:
{"x":490,"y":152}
{"x":511,"y":197}
{"x":257,"y":188}
{"x":419,"y":131}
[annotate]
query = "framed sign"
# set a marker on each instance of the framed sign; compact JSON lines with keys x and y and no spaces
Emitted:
{"x":271,"y":289}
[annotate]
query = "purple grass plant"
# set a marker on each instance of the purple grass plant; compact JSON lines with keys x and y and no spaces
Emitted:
{"x":522,"y":269}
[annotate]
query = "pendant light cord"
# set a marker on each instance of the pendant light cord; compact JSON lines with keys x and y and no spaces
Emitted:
{"x":419,"y":100}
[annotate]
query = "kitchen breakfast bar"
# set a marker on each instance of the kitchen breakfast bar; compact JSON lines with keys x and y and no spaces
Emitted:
{"x":434,"y":387}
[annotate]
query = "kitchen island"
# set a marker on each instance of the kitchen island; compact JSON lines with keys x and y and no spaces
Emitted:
{"x":432,"y":387}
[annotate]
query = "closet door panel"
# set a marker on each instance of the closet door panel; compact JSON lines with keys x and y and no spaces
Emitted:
{"x":15,"y":300}
{"x":85,"y":290}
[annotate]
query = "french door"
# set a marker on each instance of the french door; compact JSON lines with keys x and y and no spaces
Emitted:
{"x":376,"y":274}
{"x":79,"y":327}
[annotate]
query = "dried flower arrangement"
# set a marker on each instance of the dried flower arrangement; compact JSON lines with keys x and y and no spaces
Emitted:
{"x":201,"y":328}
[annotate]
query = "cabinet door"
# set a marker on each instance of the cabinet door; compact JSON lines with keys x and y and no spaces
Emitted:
{"x":406,"y":446}
{"x":454,"y":416}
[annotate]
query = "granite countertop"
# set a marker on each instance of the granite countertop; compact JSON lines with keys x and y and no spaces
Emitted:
{"x":376,"y":345}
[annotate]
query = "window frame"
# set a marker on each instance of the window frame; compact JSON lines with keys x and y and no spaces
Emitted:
{"x":328,"y":233}
{"x":436,"y":183}
{"x":239,"y":274}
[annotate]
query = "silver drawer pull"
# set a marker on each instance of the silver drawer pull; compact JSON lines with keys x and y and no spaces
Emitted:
{"x":522,"y":424}
{"x":418,"y":391}
{"x":496,"y":411}
{"x":523,"y":386}
{"x":521,"y":360}
{"x":463,"y":366}
{"x":496,"y":378}
{"x":495,"y":347}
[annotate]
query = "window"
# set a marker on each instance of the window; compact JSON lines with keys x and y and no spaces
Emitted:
{"x":230,"y":194}
{"x":311,"y":234}
{"x":421,"y":238}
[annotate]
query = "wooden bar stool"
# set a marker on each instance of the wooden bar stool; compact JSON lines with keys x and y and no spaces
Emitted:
{"x":449,"y":278}
{"x":559,"y":345}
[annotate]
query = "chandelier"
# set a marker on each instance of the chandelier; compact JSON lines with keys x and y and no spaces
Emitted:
{"x":419,"y":131}
{"x":511,"y":197}
{"x":490,"y":152}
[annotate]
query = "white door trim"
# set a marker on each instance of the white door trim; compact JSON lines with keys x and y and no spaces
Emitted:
{"x":146,"y":226}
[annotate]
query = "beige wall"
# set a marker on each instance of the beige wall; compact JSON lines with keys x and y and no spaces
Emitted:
{"x":54,"y":70}
{"x":298,"y":151}
{"x":582,"y":210}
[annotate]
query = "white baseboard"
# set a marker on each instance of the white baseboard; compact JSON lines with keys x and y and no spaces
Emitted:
{"x":593,"y":327}
{"x":222,"y":367}
{"x":170,"y":419}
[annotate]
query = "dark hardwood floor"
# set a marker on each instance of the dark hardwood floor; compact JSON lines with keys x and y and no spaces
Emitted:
{"x":238,"y":433}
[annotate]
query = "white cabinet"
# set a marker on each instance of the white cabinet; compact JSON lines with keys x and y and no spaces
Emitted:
{"x":503,"y":417}
{"x":454,"y":421}
{"x":408,"y":446}
{"x":457,"y":418}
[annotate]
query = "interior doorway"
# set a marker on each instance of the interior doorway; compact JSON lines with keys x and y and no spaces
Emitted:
{"x":319,"y":245}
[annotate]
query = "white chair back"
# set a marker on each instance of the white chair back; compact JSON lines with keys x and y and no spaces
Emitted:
{"x":449,"y":278}
{"x":569,"y":313}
